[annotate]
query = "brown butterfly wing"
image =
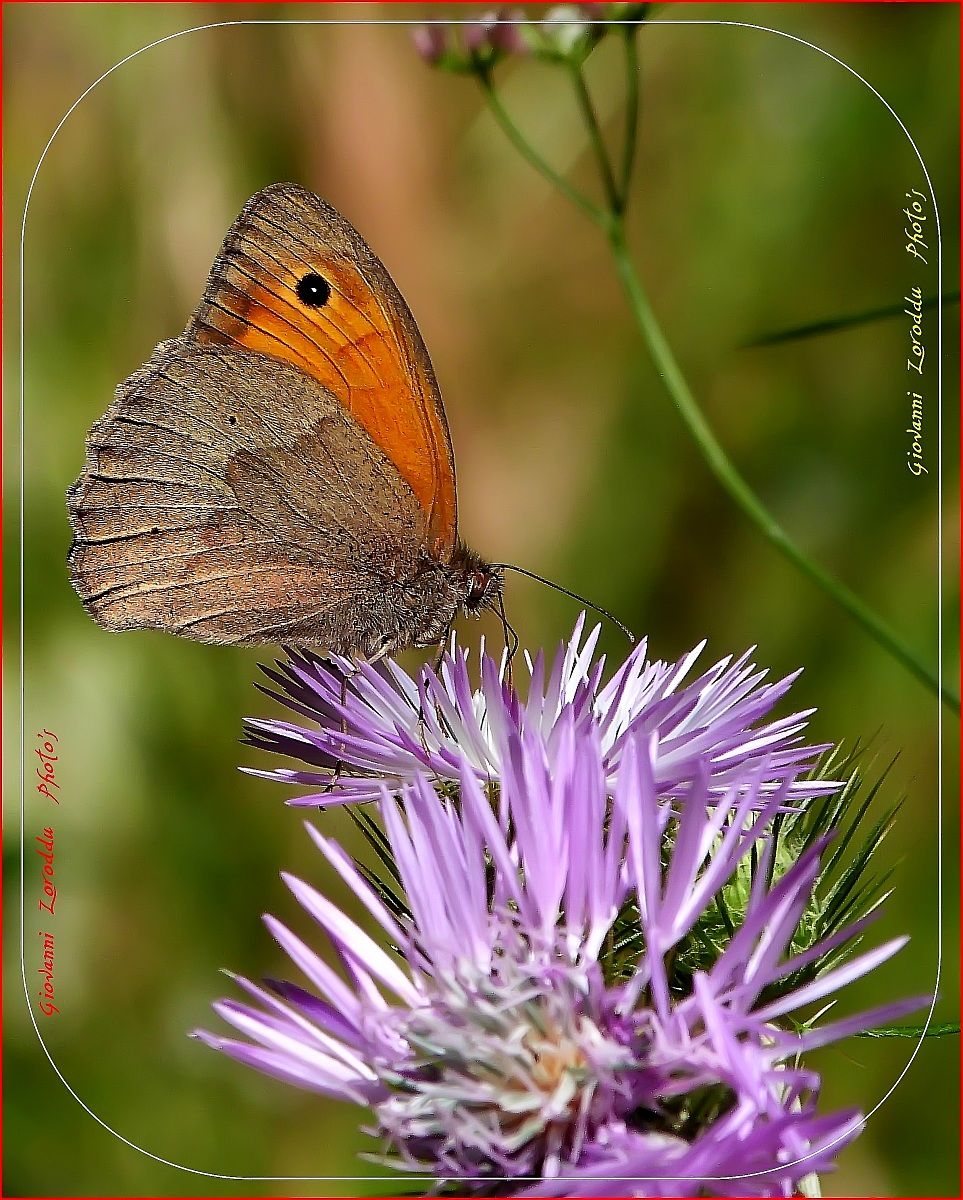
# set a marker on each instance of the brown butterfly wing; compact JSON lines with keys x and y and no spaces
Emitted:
{"x":230,"y":498}
{"x":361,"y":344}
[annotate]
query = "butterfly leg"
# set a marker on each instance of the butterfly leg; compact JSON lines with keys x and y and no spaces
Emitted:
{"x":340,"y":764}
{"x":346,"y":677}
{"x":440,"y":651}
{"x":435,"y":663}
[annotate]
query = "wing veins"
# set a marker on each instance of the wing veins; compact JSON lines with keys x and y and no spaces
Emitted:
{"x":137,"y":589}
{"x":308,"y":616}
{"x":177,"y":483}
{"x":307,"y":262}
{"x":295,"y":308}
{"x":280,"y":437}
{"x":191,"y":462}
{"x":237,"y":317}
{"x":139,"y":562}
{"x":81,"y":540}
{"x":162,"y":507}
{"x":290,"y":324}
{"x":274,"y":472}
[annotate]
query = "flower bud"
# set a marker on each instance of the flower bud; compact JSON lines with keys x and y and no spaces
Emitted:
{"x":495,"y":35}
{"x":507,"y":35}
{"x":474,"y":37}
{"x":430,"y":42}
{"x":567,"y":31}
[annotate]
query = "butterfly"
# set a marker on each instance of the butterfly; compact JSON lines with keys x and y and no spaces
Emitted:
{"x":283,"y":470}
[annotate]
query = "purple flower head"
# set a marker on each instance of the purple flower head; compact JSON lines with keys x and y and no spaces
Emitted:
{"x":495,"y":1041}
{"x":372,"y":725}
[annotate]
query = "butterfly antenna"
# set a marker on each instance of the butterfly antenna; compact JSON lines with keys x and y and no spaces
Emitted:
{"x":603,"y":612}
{"x":511,"y":637}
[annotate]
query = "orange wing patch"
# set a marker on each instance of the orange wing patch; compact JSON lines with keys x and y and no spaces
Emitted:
{"x":360,"y":342}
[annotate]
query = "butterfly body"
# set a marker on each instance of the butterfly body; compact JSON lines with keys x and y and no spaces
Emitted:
{"x":282,"y":472}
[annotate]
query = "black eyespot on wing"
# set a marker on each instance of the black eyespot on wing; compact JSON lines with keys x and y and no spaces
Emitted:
{"x":313,"y":290}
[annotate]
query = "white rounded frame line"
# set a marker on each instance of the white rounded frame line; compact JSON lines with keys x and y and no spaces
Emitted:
{"x":939,"y":477}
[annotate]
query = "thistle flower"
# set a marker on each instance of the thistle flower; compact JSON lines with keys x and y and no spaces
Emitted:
{"x":492,"y":1046}
{"x":376,"y":724}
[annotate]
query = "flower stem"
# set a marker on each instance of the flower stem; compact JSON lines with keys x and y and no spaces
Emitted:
{"x":631,"y":113}
{"x":610,"y":219}
{"x":531,"y":156}
{"x":587,"y":108}
{"x":740,"y":491}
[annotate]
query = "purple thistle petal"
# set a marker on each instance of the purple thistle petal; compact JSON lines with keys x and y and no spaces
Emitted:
{"x":328,"y":1070}
{"x":344,"y":865}
{"x":350,"y":939}
{"x":885,"y":1014}
{"x":312,"y":1028}
{"x":832,"y":980}
{"x":488,"y":1039}
{"x":320,"y":974}
{"x":391,"y":727}
{"x":288,"y":1069}
{"x":770,"y":923}
{"x":309,"y":1005}
{"x":848,"y":935}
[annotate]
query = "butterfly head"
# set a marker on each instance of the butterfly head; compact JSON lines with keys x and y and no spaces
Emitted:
{"x":480,"y":582}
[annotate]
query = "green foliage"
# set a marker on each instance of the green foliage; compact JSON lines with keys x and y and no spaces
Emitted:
{"x":849,"y":321}
{"x":848,"y":888}
{"x":913,"y":1032}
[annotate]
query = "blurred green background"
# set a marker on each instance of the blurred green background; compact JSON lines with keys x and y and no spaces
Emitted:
{"x":768,"y":193}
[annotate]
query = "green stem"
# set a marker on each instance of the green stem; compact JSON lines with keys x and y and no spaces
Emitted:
{"x":716,"y":458}
{"x":740,"y":491}
{"x":631,"y":113}
{"x":587,"y":109}
{"x":531,"y":156}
